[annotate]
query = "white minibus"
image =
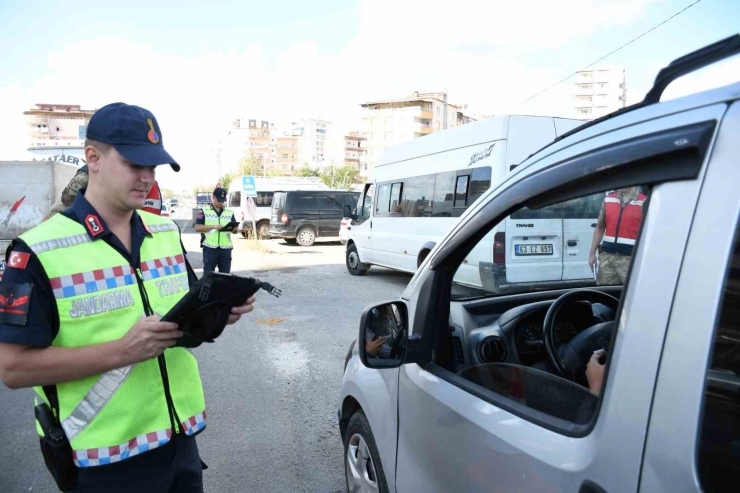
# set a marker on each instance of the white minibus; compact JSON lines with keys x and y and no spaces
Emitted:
{"x":420,"y":188}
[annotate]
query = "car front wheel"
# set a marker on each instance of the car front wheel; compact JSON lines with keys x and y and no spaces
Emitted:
{"x":354,"y":265}
{"x":362,"y":466}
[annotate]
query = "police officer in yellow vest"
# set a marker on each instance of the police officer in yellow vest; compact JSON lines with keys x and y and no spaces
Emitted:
{"x":80,"y":304}
{"x":217,"y":244}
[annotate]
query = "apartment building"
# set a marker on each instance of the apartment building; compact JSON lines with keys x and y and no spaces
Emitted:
{"x":274,"y":146}
{"x":392,"y":121}
{"x":354,"y":151}
{"x":314,"y":140}
{"x":56,"y":132}
{"x":600,"y":90}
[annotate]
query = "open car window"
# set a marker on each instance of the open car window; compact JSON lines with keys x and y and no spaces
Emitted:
{"x":583,"y":242}
{"x":539,"y":361}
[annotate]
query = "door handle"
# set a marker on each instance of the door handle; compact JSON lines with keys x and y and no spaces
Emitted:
{"x":590,"y":487}
{"x":572,"y":243}
{"x":593,"y":225}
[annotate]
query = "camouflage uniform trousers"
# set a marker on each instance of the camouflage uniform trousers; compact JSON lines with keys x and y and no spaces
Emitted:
{"x":612,"y":269}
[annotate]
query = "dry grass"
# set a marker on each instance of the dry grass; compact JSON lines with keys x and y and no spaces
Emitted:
{"x":256,"y":246}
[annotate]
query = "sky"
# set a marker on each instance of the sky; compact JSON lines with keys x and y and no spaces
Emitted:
{"x":199,"y":65}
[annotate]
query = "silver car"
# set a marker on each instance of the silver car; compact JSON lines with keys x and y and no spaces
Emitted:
{"x":629,"y":384}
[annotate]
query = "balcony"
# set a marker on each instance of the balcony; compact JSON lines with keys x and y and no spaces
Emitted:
{"x":39,"y":132}
{"x":37,"y":120}
{"x":584,"y":90}
{"x":423,"y":128}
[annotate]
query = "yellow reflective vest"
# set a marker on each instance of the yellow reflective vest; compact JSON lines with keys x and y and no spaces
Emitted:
{"x":217,"y":239}
{"x":127,"y":411}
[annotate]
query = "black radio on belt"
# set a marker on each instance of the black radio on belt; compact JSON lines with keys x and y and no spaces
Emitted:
{"x":203,"y":312}
{"x":56,"y":449}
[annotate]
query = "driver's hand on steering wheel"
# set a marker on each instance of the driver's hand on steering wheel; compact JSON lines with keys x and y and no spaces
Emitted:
{"x":595,"y":372}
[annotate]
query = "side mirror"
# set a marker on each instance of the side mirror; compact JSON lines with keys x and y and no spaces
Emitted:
{"x":384,"y":341}
{"x":347,"y":212}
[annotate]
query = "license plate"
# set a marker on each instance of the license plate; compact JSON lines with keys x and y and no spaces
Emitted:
{"x":533,"y":249}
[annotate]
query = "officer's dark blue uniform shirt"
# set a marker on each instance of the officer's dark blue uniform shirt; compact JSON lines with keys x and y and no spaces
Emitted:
{"x":42,"y":317}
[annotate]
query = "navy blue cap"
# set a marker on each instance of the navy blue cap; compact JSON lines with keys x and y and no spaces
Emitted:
{"x":133,"y":131}
{"x":220,"y":194}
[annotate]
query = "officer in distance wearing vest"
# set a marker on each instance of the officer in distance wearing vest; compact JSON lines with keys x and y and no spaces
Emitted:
{"x":616,"y":232}
{"x":79,"y":322}
{"x":216,"y":243}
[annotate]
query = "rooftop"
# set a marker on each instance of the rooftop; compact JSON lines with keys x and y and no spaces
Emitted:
{"x":70,"y":109}
{"x":416,"y":97}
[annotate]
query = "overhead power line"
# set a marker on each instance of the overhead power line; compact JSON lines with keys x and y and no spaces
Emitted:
{"x":607,"y":55}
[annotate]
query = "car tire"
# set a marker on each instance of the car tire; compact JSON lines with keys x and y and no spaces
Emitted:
{"x":362,"y":468}
{"x":354,"y":264}
{"x":305,"y":236}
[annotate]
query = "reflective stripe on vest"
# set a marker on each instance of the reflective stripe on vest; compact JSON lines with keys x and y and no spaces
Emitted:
{"x":98,"y":300}
{"x":622,"y":223}
{"x":217,"y":239}
{"x":94,"y":400}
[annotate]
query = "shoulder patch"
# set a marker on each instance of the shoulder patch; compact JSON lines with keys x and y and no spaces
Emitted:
{"x":15,"y":298}
{"x":18,"y":260}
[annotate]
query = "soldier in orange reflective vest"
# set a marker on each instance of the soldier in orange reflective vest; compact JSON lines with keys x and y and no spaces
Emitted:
{"x":616,"y":232}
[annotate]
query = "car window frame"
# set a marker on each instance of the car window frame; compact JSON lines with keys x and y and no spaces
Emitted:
{"x":625,"y":163}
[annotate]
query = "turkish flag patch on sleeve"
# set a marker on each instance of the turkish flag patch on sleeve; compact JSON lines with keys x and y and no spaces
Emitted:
{"x":19,"y":260}
{"x":15,"y":298}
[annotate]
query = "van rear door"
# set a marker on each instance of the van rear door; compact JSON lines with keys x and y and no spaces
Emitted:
{"x":277,"y":209}
{"x":534,"y":245}
{"x":579,"y":222}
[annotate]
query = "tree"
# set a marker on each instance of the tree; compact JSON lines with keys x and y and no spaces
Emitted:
{"x":307,"y":171}
{"x":340,"y":178}
{"x":167,"y":193}
{"x":251,"y":165}
{"x":226,"y":180}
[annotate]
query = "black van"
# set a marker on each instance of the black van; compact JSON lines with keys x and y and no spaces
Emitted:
{"x":303,"y":215}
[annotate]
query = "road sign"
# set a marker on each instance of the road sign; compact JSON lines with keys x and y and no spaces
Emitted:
{"x":248,"y":186}
{"x":251,"y":208}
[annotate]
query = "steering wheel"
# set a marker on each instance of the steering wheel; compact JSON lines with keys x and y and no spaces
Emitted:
{"x":573,"y":356}
{"x":396,"y":347}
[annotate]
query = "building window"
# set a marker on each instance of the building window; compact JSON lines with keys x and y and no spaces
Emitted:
{"x":388,"y":122}
{"x":285,"y":156}
{"x":374,"y":137}
{"x":388,"y":138}
{"x":436,"y":125}
{"x":374,"y":122}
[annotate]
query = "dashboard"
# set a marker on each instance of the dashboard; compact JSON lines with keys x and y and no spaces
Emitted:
{"x":527,"y":337}
{"x":516,"y":336}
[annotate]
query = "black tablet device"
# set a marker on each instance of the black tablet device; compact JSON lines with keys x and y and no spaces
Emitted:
{"x":230,"y":226}
{"x":203,"y":312}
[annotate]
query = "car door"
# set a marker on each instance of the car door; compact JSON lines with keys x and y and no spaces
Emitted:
{"x":696,"y":448}
{"x":304,"y":210}
{"x":506,"y":433}
{"x":387,"y":239}
{"x":362,"y":230}
{"x":330,"y":204}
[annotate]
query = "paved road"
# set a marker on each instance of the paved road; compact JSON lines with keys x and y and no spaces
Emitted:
{"x":271,"y":382}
